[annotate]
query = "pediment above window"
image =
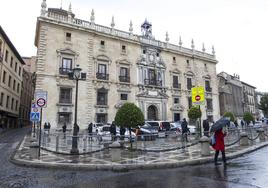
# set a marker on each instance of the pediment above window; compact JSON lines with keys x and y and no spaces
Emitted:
{"x":123,"y":61}
{"x":190,"y":74}
{"x":103,"y":58}
{"x":67,"y":51}
{"x":207,"y":77}
{"x":175,"y":71}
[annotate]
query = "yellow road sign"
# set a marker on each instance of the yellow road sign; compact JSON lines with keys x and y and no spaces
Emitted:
{"x":198,"y":95}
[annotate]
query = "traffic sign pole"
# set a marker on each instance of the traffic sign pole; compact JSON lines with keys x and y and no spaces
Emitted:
{"x":40,"y":134}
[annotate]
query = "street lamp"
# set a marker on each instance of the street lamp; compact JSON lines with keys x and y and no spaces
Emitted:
{"x":76,"y":75}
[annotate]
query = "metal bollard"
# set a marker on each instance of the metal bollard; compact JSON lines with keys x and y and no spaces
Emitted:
{"x":85,"y":143}
{"x":244,"y":139}
{"x":262,"y":135}
{"x":57,"y":143}
{"x":204,"y":142}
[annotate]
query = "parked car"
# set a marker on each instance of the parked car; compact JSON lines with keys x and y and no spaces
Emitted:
{"x":104,"y":133}
{"x":175,"y":126}
{"x":148,"y":129}
{"x":192,"y":129}
{"x":161,"y":125}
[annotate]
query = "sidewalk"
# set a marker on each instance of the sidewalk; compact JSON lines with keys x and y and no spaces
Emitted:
{"x":122,"y":159}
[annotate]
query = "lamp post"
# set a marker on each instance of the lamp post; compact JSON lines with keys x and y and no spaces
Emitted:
{"x":76,"y":75}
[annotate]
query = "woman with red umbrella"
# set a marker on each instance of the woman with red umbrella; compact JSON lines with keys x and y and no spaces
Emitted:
{"x":219,"y":146}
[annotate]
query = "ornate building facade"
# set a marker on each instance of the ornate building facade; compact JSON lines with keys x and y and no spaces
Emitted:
{"x":120,"y":66}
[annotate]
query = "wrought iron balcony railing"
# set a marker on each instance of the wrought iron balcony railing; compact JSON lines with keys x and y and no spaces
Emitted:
{"x":102,"y":76}
{"x":153,"y":82}
{"x":208,"y":89}
{"x":124,"y":78}
{"x":176,"y":85}
{"x":65,"y":71}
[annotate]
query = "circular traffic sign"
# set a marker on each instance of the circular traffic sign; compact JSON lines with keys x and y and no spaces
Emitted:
{"x":41,"y":102}
{"x":197,"y":97}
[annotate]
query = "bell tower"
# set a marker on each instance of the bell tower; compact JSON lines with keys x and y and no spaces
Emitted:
{"x":146,"y":29}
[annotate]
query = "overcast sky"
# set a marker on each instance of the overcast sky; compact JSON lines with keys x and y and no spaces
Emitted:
{"x":237,"y":28}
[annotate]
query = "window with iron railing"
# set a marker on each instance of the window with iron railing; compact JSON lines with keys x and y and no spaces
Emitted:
{"x":102,"y":72}
{"x":176,"y":82}
{"x":209,"y":104}
{"x":207,"y":86}
{"x":124,"y":75}
{"x":66,"y":66}
{"x":189,"y":83}
{"x":153,"y":82}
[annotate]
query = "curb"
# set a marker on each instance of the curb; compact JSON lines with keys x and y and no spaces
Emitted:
{"x":127,"y":167}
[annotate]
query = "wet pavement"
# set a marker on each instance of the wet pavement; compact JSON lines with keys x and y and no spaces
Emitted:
{"x":250,"y":170}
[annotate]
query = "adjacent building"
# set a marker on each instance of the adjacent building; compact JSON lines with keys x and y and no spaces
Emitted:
{"x":236,"y":96}
{"x":11,"y":70}
{"x":250,"y":102}
{"x":120,"y":66}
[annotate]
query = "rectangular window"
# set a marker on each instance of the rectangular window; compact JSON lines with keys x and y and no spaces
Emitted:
{"x":64,"y":117}
{"x":124,"y":75}
{"x":18,"y":87}
{"x":14,"y":84}
{"x":7,"y":102}
{"x":207,"y":86}
{"x":209,"y":104}
{"x":123,"y":96}
{"x":189,"y":102}
{"x":102,"y":72}
{"x":16,"y":65}
{"x":65,"y":95}
{"x":6,"y":56}
{"x":66,"y":65}
{"x":189,"y":83}
{"x":102,"y":98}
{"x":101,"y":118}
{"x":174,"y":59}
{"x":16,"y":108}
{"x":9,"y":81}
{"x":4,"y":77}
{"x":68,"y":36}
{"x":102,"y":43}
{"x":124,"y":49}
{"x":11,"y":62}
{"x":176,"y":100}
{"x":19,"y":71}
{"x":12,"y":103}
{"x":175,"y":81}
{"x":1,"y":99}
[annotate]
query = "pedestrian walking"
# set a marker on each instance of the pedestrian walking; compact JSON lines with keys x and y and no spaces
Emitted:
{"x":113,"y":130}
{"x":242,"y":123}
{"x":219,"y":146}
{"x":48,"y":127}
{"x":122,"y":132}
{"x":206,"y":127}
{"x":185,"y":130}
{"x":236,"y":124}
{"x":64,"y":129}
{"x":89,"y":128}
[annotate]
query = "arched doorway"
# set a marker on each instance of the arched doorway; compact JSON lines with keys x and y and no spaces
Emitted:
{"x":152,"y":113}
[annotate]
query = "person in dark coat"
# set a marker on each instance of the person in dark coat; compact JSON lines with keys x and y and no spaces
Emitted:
{"x":89,"y":128}
{"x":122,"y":132}
{"x":64,"y":128}
{"x":219,"y":146}
{"x":206,"y":127}
{"x":48,"y":126}
{"x":185,"y":130}
{"x":113,"y":131}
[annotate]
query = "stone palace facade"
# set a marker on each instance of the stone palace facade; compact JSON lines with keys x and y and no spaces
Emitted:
{"x":120,"y":66}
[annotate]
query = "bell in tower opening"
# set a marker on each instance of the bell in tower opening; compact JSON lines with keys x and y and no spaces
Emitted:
{"x":146,"y":29}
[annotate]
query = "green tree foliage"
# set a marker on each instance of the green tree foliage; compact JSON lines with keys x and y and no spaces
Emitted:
{"x":129,"y":116}
{"x":264,"y":104}
{"x":194,"y":113}
{"x":230,"y":115}
{"x":248,"y":117}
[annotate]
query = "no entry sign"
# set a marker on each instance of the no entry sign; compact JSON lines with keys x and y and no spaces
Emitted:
{"x":198,"y":95}
{"x":41,"y":98}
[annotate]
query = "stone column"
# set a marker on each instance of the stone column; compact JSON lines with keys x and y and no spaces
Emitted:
{"x":244,"y":139}
{"x":204,"y":142}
